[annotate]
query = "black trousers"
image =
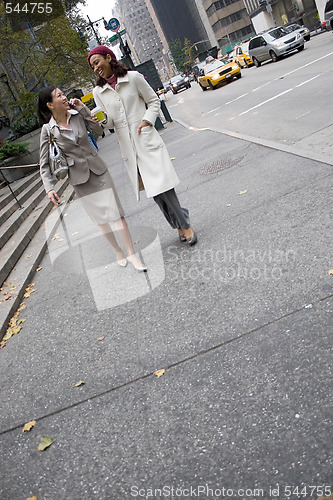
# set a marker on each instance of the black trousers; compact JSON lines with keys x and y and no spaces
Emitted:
{"x":171,"y":209}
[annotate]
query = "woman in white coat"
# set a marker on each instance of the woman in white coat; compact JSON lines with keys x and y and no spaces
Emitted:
{"x":132,"y":107}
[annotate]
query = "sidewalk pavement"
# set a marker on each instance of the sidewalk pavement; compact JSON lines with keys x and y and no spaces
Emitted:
{"x":241,"y":323}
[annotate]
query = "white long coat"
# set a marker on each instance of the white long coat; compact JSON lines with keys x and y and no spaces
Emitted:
{"x":125,"y":109}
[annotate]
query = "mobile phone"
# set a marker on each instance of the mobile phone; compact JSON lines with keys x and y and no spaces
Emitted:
{"x":72,"y":106}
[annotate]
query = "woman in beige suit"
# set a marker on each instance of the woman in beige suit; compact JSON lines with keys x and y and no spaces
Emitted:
{"x":88,"y":173}
{"x":132,"y":107}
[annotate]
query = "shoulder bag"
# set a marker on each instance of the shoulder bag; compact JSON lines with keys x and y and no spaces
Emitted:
{"x":57,"y":159}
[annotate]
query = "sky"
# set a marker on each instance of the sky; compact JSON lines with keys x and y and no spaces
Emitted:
{"x":96,"y":9}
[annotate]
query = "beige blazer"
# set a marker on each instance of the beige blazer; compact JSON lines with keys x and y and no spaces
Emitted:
{"x":132,"y":101}
{"x":81,"y":155}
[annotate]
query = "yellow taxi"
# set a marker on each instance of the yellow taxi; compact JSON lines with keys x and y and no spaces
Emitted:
{"x":240,"y":55}
{"x":218,"y":71}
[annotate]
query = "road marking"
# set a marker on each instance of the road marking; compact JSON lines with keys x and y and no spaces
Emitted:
{"x":239,"y":97}
{"x":301,"y":116}
{"x":310,"y":80}
{"x":225,"y":104}
{"x":264,"y":102}
{"x":279,"y":95}
{"x":290,"y":72}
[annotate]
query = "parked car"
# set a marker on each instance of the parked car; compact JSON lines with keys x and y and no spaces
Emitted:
{"x":197,"y":68}
{"x":302,"y":30}
{"x":273,"y":44}
{"x":328,"y":16}
{"x":179,"y":82}
{"x":218,"y":71}
{"x":240,"y":55}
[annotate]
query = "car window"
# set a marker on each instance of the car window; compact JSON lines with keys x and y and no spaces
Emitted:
{"x":254,"y":43}
{"x":215,"y":65}
{"x":277,"y":33}
{"x":261,"y":41}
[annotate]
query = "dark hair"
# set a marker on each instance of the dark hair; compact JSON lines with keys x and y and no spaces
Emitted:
{"x":118,"y":69}
{"x":45,"y":96}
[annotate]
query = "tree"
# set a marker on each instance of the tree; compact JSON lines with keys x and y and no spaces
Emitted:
{"x":50,"y":53}
{"x":188,"y":51}
{"x":177,"y":54}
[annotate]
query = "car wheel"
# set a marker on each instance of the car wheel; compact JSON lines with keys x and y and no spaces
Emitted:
{"x":239,"y":75}
{"x":174,"y":91}
{"x":256,"y":62}
{"x":203,"y":88}
{"x":211,"y":86}
{"x":307,"y":38}
{"x":189,"y":86}
{"x":273,"y":56}
{"x":300,"y":48}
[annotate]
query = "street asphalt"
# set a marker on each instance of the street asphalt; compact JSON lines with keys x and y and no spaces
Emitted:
{"x":241,"y":323}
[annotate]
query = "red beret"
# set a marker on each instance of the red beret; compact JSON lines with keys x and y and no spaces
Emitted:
{"x":103,"y":50}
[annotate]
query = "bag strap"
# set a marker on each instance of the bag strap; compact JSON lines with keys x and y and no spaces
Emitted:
{"x":49,"y":133}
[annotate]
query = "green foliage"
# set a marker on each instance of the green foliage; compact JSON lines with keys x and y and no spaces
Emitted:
{"x":188,"y":51}
{"x":177,"y":54}
{"x":182,"y":55}
{"x":53,"y":54}
{"x":10,"y":149}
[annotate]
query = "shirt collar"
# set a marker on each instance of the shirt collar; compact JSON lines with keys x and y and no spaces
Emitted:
{"x":70,"y":112}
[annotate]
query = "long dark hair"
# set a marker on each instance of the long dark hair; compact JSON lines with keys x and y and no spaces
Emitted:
{"x":118,"y":69}
{"x":45,"y":96}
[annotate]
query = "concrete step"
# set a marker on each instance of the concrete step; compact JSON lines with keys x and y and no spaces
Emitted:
{"x":23,"y":197}
{"x":17,"y":187}
{"x":13,"y":223}
{"x":22,"y":227}
{"x":21,"y":255}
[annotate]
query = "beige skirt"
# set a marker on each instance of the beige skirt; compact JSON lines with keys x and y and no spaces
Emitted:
{"x":99,"y":198}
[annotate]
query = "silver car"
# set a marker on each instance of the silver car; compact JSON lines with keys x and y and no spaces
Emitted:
{"x":273,"y":44}
{"x":302,"y":30}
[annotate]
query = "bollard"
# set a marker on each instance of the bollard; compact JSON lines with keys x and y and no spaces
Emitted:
{"x":165,"y":112}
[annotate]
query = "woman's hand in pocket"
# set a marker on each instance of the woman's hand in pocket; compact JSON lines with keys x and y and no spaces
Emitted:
{"x":142,"y":125}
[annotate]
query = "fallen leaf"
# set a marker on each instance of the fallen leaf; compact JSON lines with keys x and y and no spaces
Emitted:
{"x":45,"y":442}
{"x":79,"y":383}
{"x":39,"y":269}
{"x":32,"y":498}
{"x":29,"y":425}
{"x":173,"y":158}
{"x":76,"y":232}
{"x":159,"y":373}
{"x":330,"y":272}
{"x":29,"y":290}
{"x":22,"y":306}
{"x":8,"y":298}
{"x":229,"y":205}
{"x":243,"y":192}
{"x":101,"y":338}
{"x":28,"y":256}
{"x":56,"y":236}
{"x":61,"y":239}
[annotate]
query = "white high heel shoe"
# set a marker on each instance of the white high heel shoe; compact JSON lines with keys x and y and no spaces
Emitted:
{"x":140,"y":268}
{"x":122,"y":263}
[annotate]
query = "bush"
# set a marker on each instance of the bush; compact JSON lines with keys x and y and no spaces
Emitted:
{"x":26,"y":125}
{"x":10,"y":149}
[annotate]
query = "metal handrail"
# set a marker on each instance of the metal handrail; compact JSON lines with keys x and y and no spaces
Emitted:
{"x":8,"y":184}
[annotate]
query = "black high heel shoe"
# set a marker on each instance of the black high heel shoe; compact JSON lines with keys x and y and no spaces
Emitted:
{"x":192,"y":240}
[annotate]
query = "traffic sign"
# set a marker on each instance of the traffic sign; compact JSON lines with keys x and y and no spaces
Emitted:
{"x":116,"y":37}
{"x":114,"y":24}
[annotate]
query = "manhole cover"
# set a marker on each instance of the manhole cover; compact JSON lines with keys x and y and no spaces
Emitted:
{"x":218,"y":165}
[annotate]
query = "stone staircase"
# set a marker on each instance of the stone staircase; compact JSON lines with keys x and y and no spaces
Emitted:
{"x":22,"y":245}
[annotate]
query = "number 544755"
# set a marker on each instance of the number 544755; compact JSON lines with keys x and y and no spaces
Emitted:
{"x":28,"y":8}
